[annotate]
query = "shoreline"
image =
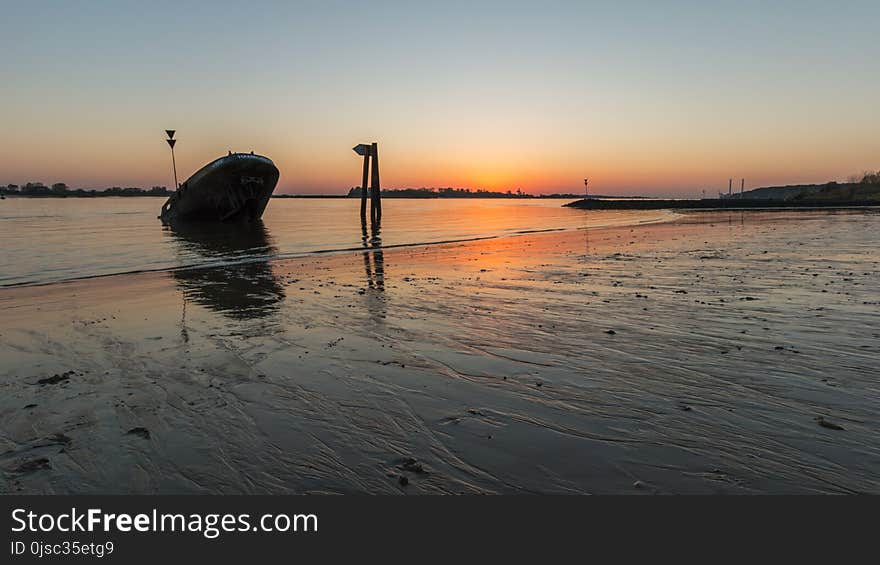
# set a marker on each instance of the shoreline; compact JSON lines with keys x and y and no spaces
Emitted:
{"x":293,"y":255}
{"x":716,"y":204}
{"x":286,"y":195}
{"x":696,"y":356}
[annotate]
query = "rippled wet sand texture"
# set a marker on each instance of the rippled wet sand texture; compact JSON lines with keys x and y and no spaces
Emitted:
{"x":722,"y":353}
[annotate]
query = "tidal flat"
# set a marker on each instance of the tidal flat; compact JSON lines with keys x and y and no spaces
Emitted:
{"x":722,"y":352}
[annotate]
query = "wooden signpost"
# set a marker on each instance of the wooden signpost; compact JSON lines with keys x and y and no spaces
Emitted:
{"x":370,"y":152}
{"x":365,"y":151}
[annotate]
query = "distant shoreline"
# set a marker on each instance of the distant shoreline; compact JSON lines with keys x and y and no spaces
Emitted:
{"x":390,"y":195}
{"x":11,"y":196}
{"x":714,"y":204}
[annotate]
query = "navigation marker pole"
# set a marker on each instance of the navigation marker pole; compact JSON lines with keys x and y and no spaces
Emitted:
{"x":171,"y":141}
{"x":586,"y":188}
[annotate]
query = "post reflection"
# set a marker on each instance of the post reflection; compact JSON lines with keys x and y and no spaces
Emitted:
{"x":374,"y":268}
{"x":241,"y":285}
{"x":374,"y":261}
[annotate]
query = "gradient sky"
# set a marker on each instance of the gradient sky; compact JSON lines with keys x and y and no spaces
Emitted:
{"x":644,"y":98}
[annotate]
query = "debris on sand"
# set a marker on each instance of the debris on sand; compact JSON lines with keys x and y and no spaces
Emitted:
{"x":828,"y":424}
{"x":59,"y":439}
{"x":56,"y":378}
{"x":33,"y":465}
{"x":413,"y":466}
{"x":140,"y":432}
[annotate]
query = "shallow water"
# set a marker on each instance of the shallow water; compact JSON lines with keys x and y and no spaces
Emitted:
{"x":54,"y":239}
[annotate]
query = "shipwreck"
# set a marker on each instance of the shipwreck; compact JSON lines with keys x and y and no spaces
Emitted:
{"x":234,"y":188}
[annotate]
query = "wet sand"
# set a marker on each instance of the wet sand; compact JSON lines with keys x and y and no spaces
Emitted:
{"x":720,"y":353}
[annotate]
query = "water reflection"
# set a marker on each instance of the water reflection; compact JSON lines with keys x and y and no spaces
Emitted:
{"x":242,"y":285}
{"x":374,"y":269}
{"x":374,"y":261}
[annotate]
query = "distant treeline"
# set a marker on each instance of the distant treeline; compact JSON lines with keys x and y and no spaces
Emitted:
{"x":355,"y":192}
{"x":38,"y":189}
{"x":59,"y":189}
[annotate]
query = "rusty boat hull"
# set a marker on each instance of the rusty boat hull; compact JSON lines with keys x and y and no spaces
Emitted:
{"x":234,"y":188}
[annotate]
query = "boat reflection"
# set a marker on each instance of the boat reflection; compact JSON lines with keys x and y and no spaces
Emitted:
{"x":241,"y":285}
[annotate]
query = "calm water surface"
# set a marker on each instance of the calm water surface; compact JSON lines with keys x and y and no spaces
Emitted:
{"x":56,"y":239}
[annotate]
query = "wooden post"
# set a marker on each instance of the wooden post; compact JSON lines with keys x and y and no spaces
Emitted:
{"x":375,"y":191}
{"x":364,"y":188}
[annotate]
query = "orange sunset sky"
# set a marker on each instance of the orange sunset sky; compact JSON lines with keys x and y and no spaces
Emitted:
{"x":641,"y":97}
